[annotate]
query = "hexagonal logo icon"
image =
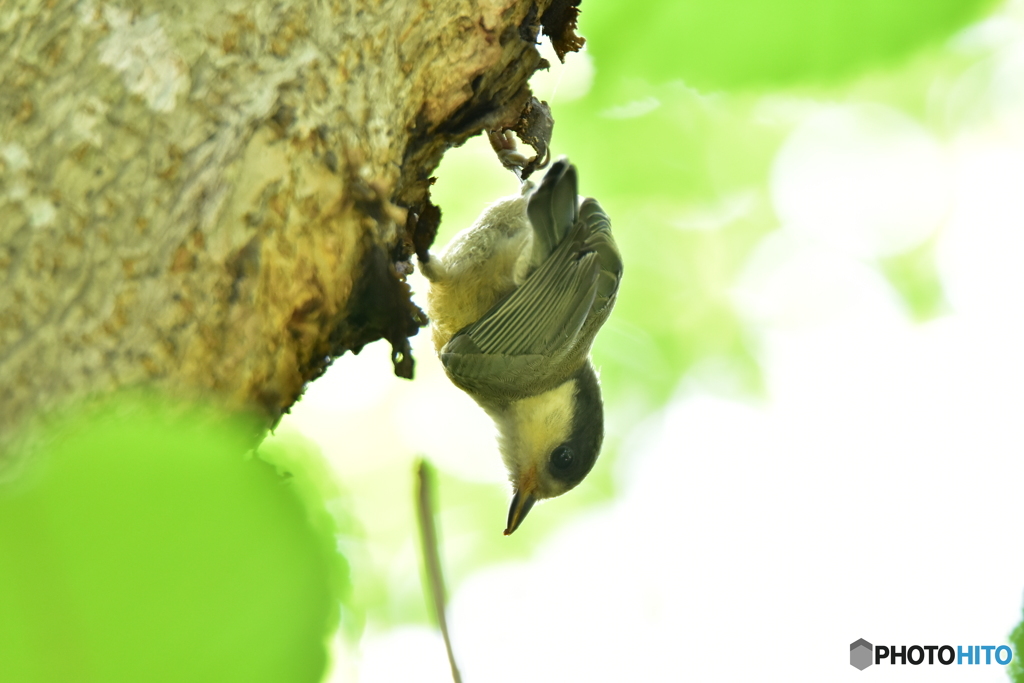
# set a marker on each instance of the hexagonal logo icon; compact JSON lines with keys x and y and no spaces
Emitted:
{"x":860,"y":654}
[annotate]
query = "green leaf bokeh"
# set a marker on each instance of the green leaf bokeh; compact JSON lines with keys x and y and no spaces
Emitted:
{"x":733,"y":44}
{"x":675,"y":115}
{"x":147,"y":552}
{"x":146,"y":546}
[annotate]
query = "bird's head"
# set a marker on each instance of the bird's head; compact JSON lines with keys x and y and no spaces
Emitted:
{"x":551,"y":441}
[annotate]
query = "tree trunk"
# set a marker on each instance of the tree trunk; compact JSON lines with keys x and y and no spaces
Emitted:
{"x":217,"y":200}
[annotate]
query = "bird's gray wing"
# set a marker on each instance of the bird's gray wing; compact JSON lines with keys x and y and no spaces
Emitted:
{"x":514,"y":347}
{"x":599,"y":240}
{"x":547,"y":309}
{"x":538,"y":321}
{"x":551,"y":305}
{"x":552,"y":209}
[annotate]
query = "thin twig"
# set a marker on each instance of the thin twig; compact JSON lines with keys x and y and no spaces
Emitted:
{"x":431,"y":556}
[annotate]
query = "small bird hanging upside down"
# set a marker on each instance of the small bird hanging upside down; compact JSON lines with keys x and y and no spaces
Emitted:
{"x":515,"y":302}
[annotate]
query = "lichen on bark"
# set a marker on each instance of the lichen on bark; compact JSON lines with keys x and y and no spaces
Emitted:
{"x":191,"y":195}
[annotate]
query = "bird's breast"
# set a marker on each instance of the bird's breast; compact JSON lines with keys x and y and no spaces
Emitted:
{"x":480,"y":268}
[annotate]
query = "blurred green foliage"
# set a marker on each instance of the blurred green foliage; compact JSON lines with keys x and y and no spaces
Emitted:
{"x":732,"y":44}
{"x":148,"y":548}
{"x":676,"y":136}
{"x":145,"y":545}
{"x":916,"y":278}
{"x":1016,"y":667}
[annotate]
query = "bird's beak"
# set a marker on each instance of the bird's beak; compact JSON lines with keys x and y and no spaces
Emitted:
{"x":522,"y":501}
{"x":521,"y":504}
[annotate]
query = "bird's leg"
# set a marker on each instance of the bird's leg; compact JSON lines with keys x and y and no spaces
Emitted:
{"x":505,"y":146}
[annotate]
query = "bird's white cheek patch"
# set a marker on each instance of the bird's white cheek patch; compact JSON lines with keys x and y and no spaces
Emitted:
{"x":536,"y":425}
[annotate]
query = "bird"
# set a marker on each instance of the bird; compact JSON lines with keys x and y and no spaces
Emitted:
{"x":515,"y":302}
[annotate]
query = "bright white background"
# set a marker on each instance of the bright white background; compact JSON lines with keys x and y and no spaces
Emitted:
{"x":876,"y":494}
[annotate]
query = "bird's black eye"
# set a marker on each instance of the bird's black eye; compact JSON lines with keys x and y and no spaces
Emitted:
{"x":562,"y":458}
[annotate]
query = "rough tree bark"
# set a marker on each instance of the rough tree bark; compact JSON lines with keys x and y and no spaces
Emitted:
{"x":218,"y":199}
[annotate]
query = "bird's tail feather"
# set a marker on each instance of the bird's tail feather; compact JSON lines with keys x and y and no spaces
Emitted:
{"x":553,"y":209}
